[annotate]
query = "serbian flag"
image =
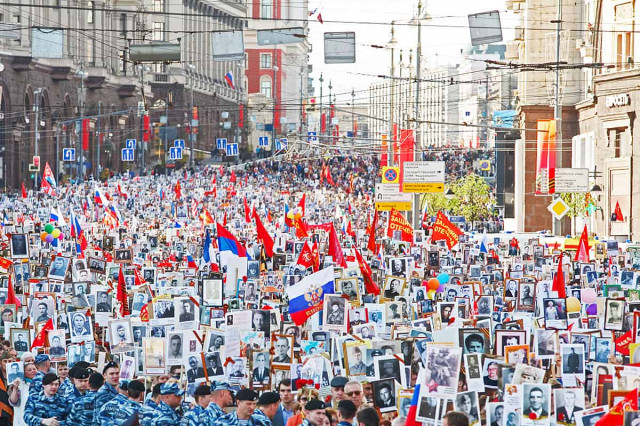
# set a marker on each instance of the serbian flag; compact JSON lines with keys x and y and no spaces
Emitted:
{"x":365,"y":269}
{"x":39,"y":340}
{"x":227,"y":242}
{"x":443,"y":229}
{"x":582,"y":254}
{"x":615,"y":416}
{"x":617,"y":212}
{"x":264,"y":236}
{"x":397,"y":222}
{"x":178,"y":190}
{"x":371,"y":244}
{"x":229,"y":79}
{"x":121,"y":294}
{"x":24,"y":191}
{"x":307,"y":296}
{"x":12,"y":299}
{"x":558,"y":281}
{"x":247,"y":211}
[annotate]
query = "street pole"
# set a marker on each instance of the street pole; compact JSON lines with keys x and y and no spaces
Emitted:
{"x":83,"y":75}
{"x":36,"y":107}
{"x":166,"y":136}
{"x":57,"y":152}
{"x":353,"y":114}
{"x":321,"y":118}
{"x":416,"y":115}
{"x":98,"y":144}
{"x":275,"y":102}
{"x":557,"y":109}
{"x":192,"y":127}
{"x":329,"y":124}
{"x":390,"y":140}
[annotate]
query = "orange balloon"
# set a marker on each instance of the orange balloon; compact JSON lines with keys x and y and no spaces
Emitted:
{"x":433,"y":284}
{"x":43,"y":236}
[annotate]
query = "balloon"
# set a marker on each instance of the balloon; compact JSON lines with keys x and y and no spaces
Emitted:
{"x":61,"y":236}
{"x":49,"y":238}
{"x":48,"y":228}
{"x":433,"y":284}
{"x":441,"y":288}
{"x":56,"y":233}
{"x":573,"y":304}
{"x":443,"y":278}
{"x":431,"y":294}
{"x":592,"y":309}
{"x":588,"y":295}
{"x":43,"y":235}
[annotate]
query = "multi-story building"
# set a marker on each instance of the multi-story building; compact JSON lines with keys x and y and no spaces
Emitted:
{"x":440,"y":100}
{"x":279,"y":71}
{"x":94,"y":77}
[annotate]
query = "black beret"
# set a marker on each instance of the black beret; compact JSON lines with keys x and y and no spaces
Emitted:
{"x":81,"y":373}
{"x":268,"y":398}
{"x":49,"y":378}
{"x":315,"y":404}
{"x":136,"y":385}
{"x":246,"y":395}
{"x":81,"y":364}
{"x":339,"y":382}
{"x":202,"y":390}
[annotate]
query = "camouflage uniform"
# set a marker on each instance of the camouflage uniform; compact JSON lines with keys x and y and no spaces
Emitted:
{"x":165,"y":416}
{"x":145,"y":414}
{"x":260,"y":419}
{"x":211,"y":414}
{"x":36,"y":383}
{"x":105,"y":394}
{"x":82,"y":409}
{"x":191,"y":418}
{"x":116,"y":411}
{"x":232,"y":420}
{"x":67,"y":390}
{"x":40,"y":407}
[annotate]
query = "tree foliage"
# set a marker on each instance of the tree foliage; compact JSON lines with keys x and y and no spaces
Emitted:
{"x":578,"y":203}
{"x":472,"y":198}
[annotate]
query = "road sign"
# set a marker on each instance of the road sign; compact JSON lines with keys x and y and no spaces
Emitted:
{"x":68,"y":154}
{"x":131,"y":143}
{"x":558,"y":208}
{"x":232,"y":149}
{"x":572,"y":180}
{"x":36,"y":161}
{"x":388,"y":196}
{"x":423,"y":176}
{"x":221,"y":143}
{"x":284,"y":142}
{"x":33,"y":168}
{"x":391,"y":175}
{"x":312,"y":137}
{"x":179,"y":143}
{"x":263,"y":141}
{"x":175,"y":153}
{"x":401,"y":206}
{"x":128,"y":154}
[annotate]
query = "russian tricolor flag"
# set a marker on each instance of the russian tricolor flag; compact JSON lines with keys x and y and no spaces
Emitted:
{"x":227,"y":242}
{"x":306,"y":297}
{"x":229,"y":79}
{"x":99,"y":198}
{"x":206,"y":250}
{"x":53,"y":216}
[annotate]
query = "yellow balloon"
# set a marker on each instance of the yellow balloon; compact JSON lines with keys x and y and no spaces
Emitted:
{"x":573,"y":304}
{"x":431,"y":294}
{"x":55,"y":233}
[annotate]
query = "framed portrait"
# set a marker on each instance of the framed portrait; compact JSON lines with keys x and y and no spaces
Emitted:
{"x":154,"y":355}
{"x":393,"y":287}
{"x":175,"y":348}
{"x":20,"y":339}
{"x":536,"y":399}
{"x":389,"y":366}
{"x":614,"y":314}
{"x":283,"y":348}
{"x":57,"y":345}
{"x":261,"y":370}
{"x":335,"y":313}
{"x":429,"y":408}
{"x":354,"y":357}
{"x":473,"y":340}
{"x":214,"y":341}
{"x":15,"y":370}
{"x":468,"y":403}
{"x":509,"y":338}
{"x":279,"y":373}
{"x":212,"y":292}
{"x":123,"y":256}
{"x":393,"y":311}
{"x":517,"y":354}
{"x":97,"y":266}
{"x":349,"y":288}
{"x":186,"y":310}
{"x":80,"y":327}
{"x":526,"y":297}
{"x":555,"y":313}
{"x":485,"y":305}
{"x":19,"y":246}
{"x":42,"y":308}
{"x":237,"y":371}
{"x":58,"y":268}
{"x":121,"y":335}
{"x":511,"y":288}
{"x":384,"y":395}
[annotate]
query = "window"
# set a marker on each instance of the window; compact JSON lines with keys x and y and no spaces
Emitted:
{"x":266,"y":9}
{"x":265,"y":60}
{"x":624,"y":57}
{"x":265,"y":86}
{"x":123,"y":24}
{"x":158,"y":31}
{"x":90,"y":12}
{"x":616,"y":139}
{"x":158,"y":5}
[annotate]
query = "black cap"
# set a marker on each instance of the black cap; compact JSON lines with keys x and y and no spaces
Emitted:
{"x":339,"y":382}
{"x":315,"y":404}
{"x":246,"y":395}
{"x":136,"y":385}
{"x":80,"y":373}
{"x":96,"y":380}
{"x":202,"y":390}
{"x":49,"y":378}
{"x":81,"y":364}
{"x":347,"y":404}
{"x":268,"y":398}
{"x":110,"y":364}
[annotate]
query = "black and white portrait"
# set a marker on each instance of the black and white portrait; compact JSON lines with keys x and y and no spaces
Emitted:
{"x":467,"y":403}
{"x":568,"y":402}
{"x":80,"y":327}
{"x":261,"y":369}
{"x":388,"y":367}
{"x":253,"y":269}
{"x":58,"y":268}
{"x":42,"y":309}
{"x":19,"y":246}
{"x":212,"y":292}
{"x":175,"y":353}
{"x":537,"y":400}
{"x":614,"y":311}
{"x":186,"y":309}
{"x":393,"y":287}
{"x":237,"y":371}
{"x":97,"y":266}
{"x":348,"y":287}
{"x":195,"y":370}
{"x":443,"y":365}
{"x":121,"y":335}
{"x":384,"y":392}
{"x":103,"y":302}
{"x":335,"y":311}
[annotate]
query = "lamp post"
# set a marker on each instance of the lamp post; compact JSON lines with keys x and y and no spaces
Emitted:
{"x":192,"y":135}
{"x":330,"y":110}
{"x":391,"y":45}
{"x":353,"y":114}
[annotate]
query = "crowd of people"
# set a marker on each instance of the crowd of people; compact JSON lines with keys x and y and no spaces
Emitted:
{"x":274,"y":294}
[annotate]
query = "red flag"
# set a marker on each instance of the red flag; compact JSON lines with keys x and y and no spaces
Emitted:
{"x":85,"y":134}
{"x":139,"y":280}
{"x":329,"y":178}
{"x":618,"y":212}
{"x":306,"y":257}
{"x":247,"y":211}
{"x":24,"y":191}
{"x":121,"y":294}
{"x":319,"y":16}
{"x":264,"y":236}
{"x":622,"y":343}
{"x":316,"y":257}
{"x":365,"y":269}
{"x":207,"y":219}
{"x":39,"y":341}
{"x":301,"y":228}
{"x":12,"y":299}
{"x":233,"y":178}
{"x":371,"y":244}
{"x":178,"y":190}
{"x":582,"y":254}
{"x":301,"y":203}
{"x":144,"y":313}
{"x":615,"y":416}
{"x":397,"y":222}
{"x":558,"y":281}
{"x":443,"y":229}
{"x":335,"y":251}
{"x":224,"y":220}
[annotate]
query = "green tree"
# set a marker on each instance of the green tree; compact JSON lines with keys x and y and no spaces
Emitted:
{"x":578,"y":203}
{"x":472,"y":198}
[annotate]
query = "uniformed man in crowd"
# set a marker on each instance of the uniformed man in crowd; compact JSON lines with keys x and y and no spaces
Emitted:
{"x":43,"y":364}
{"x":221,"y":398}
{"x":120,"y":408}
{"x":202,"y":395}
{"x":170,"y":399}
{"x":78,"y":381}
{"x":268,"y":405}
{"x":108,"y":391}
{"x":47,"y":407}
{"x":82,"y":408}
{"x":145,"y":414}
{"x":314,"y":412}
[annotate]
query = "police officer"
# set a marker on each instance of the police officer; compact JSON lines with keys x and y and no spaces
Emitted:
{"x":43,"y":364}
{"x":145,"y":414}
{"x":78,"y":381}
{"x":108,"y":391}
{"x":170,"y":398}
{"x":82,"y":409}
{"x":120,"y":408}
{"x":47,"y":407}
{"x":246,"y":400}
{"x":202,"y":396}
{"x":268,"y":405}
{"x":221,"y":398}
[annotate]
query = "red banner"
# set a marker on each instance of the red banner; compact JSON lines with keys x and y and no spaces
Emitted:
{"x":546,"y":161}
{"x":397,"y":223}
{"x":85,"y":134}
{"x":622,"y":343}
{"x":443,"y":229}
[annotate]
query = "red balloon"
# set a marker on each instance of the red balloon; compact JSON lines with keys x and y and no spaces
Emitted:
{"x":433,"y":284}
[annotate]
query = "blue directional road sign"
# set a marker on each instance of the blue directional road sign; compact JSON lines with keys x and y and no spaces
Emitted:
{"x":284,"y":142}
{"x":232,"y":149}
{"x":68,"y":154}
{"x":179,"y":143}
{"x":128,"y":154}
{"x":263,"y":141}
{"x":221,"y":143}
{"x":312,"y":137}
{"x":131,"y":143}
{"x":175,"y":153}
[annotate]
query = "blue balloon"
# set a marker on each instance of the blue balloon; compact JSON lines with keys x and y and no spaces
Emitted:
{"x":443,"y":278}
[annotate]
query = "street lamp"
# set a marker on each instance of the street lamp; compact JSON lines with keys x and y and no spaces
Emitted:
{"x":192,"y":135}
{"x":391,"y":45}
{"x":353,"y":113}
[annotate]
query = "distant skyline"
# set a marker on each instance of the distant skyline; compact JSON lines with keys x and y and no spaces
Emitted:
{"x":442,"y":38}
